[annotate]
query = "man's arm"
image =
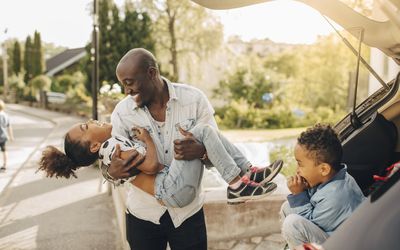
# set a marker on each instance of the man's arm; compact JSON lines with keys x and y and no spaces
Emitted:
{"x":120,"y":168}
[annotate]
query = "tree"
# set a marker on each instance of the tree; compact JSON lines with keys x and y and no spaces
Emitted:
{"x":249,"y":86}
{"x":16,"y":65}
{"x":323,"y":75}
{"x":175,"y":44}
{"x":37,"y":53}
{"x":28,"y":59}
{"x":117,"y":36}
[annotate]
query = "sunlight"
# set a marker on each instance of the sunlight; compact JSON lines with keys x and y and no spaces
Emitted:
{"x":283,"y":21}
{"x":48,"y":201}
{"x":25,"y":239}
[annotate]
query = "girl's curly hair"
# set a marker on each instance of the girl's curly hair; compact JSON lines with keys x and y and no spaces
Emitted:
{"x":56,"y":163}
{"x":324,"y":145}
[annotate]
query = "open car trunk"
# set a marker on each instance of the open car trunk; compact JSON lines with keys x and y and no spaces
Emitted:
{"x":369,"y":134}
{"x":369,"y":148}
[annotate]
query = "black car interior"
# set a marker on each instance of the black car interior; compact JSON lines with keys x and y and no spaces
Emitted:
{"x":369,"y":140}
{"x":370,"y":149}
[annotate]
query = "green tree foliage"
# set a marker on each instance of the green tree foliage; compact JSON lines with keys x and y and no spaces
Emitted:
{"x":17,"y":60}
{"x":324,"y":76}
{"x":67,"y":82}
{"x":186,"y":33}
{"x":33,"y":57}
{"x":118,"y":34}
{"x":41,"y":82}
{"x":37,"y":84}
{"x":309,"y":83}
{"x":250,"y":85}
{"x":28,"y":59}
{"x":37,"y":53}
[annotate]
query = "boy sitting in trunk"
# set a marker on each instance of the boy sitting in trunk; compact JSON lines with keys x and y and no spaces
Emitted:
{"x":323,"y":194}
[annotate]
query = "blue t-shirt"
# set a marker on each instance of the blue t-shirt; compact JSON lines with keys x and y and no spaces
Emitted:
{"x":4,"y":124}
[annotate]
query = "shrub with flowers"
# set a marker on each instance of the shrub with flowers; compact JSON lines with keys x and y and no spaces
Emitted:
{"x":110,"y":95}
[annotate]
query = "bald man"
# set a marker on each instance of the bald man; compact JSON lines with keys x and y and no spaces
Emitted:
{"x":154,"y":103}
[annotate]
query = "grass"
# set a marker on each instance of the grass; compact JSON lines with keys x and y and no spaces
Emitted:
{"x":284,"y":153}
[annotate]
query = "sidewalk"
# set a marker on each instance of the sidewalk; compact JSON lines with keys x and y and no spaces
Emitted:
{"x":42,"y":213}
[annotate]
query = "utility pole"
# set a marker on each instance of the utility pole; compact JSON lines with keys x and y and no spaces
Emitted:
{"x":95,"y":59}
{"x":5,"y":68}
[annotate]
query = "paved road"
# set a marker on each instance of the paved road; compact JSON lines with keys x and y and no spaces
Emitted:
{"x":42,"y":213}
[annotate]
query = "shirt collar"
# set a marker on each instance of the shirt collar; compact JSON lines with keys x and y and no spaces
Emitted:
{"x":338,"y":176}
{"x":171,"y":89}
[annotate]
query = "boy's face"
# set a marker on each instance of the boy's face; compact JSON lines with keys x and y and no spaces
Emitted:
{"x":306,"y":166}
{"x":93,"y":131}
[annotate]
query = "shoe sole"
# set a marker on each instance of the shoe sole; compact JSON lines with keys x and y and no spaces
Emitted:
{"x":243,"y":199}
{"x":277,"y":166}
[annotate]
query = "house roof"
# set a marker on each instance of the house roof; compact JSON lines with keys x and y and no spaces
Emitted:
{"x":63,"y":60}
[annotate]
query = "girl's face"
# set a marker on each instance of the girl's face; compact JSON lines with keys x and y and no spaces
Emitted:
{"x":92,"y":131}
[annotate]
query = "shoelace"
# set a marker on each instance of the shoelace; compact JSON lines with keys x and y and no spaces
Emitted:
{"x":246,"y":180}
{"x":256,"y":169}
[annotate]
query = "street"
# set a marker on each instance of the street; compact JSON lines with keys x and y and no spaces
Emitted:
{"x":42,"y":213}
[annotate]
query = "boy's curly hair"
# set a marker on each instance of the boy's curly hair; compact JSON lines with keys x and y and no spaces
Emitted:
{"x":323,"y":145}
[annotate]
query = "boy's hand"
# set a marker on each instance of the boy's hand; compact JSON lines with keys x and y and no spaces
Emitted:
{"x":141,"y":134}
{"x":296,"y":184}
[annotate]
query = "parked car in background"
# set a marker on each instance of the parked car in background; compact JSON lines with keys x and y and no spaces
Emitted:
{"x":370,"y":132}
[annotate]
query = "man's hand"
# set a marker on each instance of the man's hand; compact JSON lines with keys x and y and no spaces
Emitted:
{"x":296,"y":184}
{"x":119,"y":168}
{"x":188,"y":148}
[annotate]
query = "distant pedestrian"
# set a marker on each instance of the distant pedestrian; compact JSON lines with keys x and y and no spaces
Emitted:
{"x":6,"y":133}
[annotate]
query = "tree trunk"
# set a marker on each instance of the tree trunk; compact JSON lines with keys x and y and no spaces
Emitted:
{"x":173,"y":50}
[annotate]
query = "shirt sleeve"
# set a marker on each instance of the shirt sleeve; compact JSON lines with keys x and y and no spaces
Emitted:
{"x":206,"y":111}
{"x":118,"y":126}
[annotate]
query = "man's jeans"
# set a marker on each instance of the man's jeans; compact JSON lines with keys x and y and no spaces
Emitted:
{"x":298,"y":230}
{"x":178,"y":185}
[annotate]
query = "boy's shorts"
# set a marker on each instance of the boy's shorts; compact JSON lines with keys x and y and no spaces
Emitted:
{"x":3,"y":146}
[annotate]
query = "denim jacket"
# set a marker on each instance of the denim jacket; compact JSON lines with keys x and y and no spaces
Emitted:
{"x":329,"y":204}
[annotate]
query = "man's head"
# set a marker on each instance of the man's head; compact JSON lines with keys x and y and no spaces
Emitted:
{"x":139,"y":74}
{"x":318,"y":153}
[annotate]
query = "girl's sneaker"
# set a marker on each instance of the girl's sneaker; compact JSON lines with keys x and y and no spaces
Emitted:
{"x":249,"y":190}
{"x":266,"y":174}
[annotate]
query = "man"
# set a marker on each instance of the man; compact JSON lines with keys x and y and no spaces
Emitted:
{"x":158,"y":105}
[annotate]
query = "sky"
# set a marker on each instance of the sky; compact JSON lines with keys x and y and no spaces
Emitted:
{"x":68,"y":22}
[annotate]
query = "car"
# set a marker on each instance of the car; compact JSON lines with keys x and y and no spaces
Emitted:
{"x":370,"y":132}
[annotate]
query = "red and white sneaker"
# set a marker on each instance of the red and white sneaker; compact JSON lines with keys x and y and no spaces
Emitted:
{"x":266,"y":174}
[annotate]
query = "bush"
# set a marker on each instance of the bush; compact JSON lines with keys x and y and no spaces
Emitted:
{"x":110,"y":95}
{"x":17,"y":85}
{"x":286,"y":153}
